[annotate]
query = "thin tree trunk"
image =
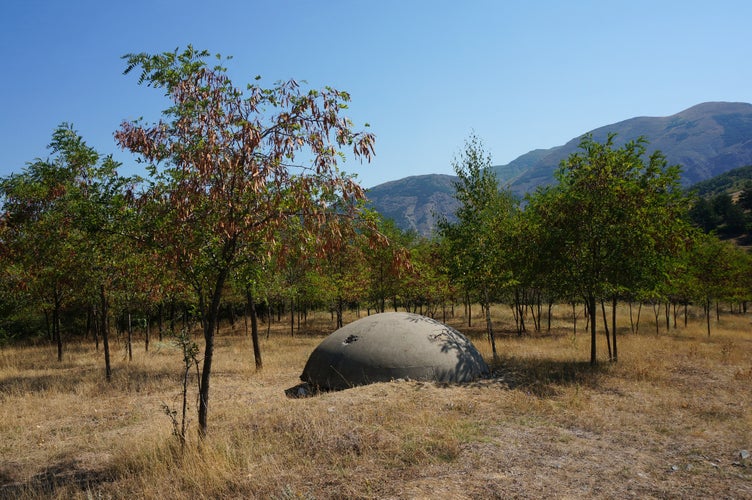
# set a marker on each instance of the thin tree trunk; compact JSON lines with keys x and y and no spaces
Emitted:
{"x":631,"y":319}
{"x":105,"y":335}
{"x":489,"y":327}
{"x":592,"y":314}
{"x":718,"y":310}
{"x":160,"y":325}
{"x":605,"y":330}
{"x":613,"y":328}
{"x":707,"y":305}
{"x":469,"y":310}
{"x":292,"y":317}
{"x":254,"y":330}
{"x":574,"y":319}
{"x":209,"y":329}
{"x":97,"y":327}
{"x":639,"y":312}
{"x":269,"y":316}
{"x":676,"y":313}
{"x":686,"y":314}
{"x":56,"y":328}
{"x":172,"y":316}
{"x":130,"y":338}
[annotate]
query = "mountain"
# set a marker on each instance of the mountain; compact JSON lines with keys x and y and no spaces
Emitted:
{"x":706,"y":140}
{"x":415,"y":203}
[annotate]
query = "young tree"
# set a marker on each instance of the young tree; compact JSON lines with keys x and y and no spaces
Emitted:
{"x":611,"y":224}
{"x":58,"y":213}
{"x":474,"y":243}
{"x":386,"y":265}
{"x":714,"y":269}
{"x":228,"y":176}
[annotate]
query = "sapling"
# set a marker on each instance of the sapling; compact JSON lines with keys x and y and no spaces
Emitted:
{"x":190,"y":352}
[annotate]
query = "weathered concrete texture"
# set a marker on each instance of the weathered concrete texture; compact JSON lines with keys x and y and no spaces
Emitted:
{"x":391,"y":346}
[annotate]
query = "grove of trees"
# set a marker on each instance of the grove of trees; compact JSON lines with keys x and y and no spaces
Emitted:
{"x":244,"y":210}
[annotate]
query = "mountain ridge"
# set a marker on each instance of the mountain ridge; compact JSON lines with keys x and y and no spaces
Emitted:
{"x":706,"y":139}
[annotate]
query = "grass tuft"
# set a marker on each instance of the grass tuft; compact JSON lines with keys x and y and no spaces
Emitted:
{"x":669,"y":420}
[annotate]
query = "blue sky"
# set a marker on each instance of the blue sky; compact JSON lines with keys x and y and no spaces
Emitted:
{"x":425,"y":75}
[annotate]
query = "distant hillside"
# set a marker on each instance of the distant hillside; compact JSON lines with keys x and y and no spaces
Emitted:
{"x":706,"y":140}
{"x":415,"y":203}
{"x":727,"y":182}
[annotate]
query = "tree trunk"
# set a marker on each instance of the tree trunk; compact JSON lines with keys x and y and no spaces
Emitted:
{"x":254,"y":330}
{"x":339,"y":312}
{"x":706,"y":306}
{"x":269,"y":317}
{"x":146,"y":333}
{"x":97,"y":327}
{"x":489,"y":327}
{"x":574,"y":319}
{"x":592,"y":314}
{"x":160,"y":312}
{"x":468,"y":309}
{"x":172,"y":316}
{"x":605,"y":329}
{"x":105,"y":335}
{"x":130,"y":338}
{"x":613,"y":328}
{"x":292,"y":317}
{"x":631,"y":319}
{"x":639,"y":312}
{"x":686,"y":313}
{"x":209,"y":329}
{"x":56,"y":329}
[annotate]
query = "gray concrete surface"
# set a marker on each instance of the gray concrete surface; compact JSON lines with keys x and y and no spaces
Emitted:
{"x":390,"y":346}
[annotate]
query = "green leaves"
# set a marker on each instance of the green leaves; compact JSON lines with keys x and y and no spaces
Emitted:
{"x":475,"y":245}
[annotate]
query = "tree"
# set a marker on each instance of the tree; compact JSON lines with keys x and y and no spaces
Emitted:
{"x":612,"y":224}
{"x":716,"y":270}
{"x":473,"y":244}
{"x":228,"y":178}
{"x":57,"y":214}
{"x":387,"y":264}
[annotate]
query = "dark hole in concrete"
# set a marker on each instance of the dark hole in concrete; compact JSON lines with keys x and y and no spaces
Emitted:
{"x":350,"y":339}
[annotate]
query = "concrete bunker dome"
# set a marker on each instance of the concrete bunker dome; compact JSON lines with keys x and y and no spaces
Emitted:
{"x":389,"y":346}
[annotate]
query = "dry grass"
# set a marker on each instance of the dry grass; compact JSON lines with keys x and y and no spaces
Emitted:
{"x":668,"y":420}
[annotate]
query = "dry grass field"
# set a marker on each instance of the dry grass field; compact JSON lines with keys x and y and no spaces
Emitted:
{"x":669,"y":420}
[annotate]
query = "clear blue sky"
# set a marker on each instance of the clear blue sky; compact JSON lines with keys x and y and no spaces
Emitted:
{"x":424,"y":74}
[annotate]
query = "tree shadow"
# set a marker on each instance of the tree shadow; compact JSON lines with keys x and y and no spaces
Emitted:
{"x":65,"y":474}
{"x":129,"y":378}
{"x":545,"y":377}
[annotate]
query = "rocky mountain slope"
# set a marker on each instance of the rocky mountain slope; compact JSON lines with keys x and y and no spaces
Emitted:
{"x":707,"y":140}
{"x":415,"y":203}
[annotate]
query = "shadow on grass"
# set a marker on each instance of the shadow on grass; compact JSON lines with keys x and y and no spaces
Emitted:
{"x":127,"y":378}
{"x":66,"y":476}
{"x":545,"y":377}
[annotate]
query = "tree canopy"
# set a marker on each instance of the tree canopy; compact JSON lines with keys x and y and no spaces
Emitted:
{"x":226,"y":178}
